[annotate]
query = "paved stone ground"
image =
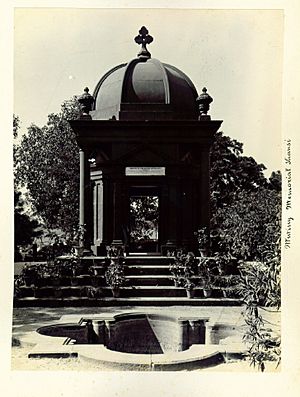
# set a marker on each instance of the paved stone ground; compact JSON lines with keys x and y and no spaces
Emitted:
{"x":27,"y":320}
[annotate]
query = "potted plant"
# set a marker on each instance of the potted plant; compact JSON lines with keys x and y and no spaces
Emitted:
{"x":78,"y":240}
{"x":176,"y":266}
{"x":115,"y":251}
{"x":183,"y":269}
{"x":114,"y":274}
{"x":189,"y":274}
{"x":29,"y":275}
{"x":55,"y":274}
{"x":226,"y":268}
{"x":91,"y":292}
{"x":206,"y":276}
{"x":95,"y":272}
{"x":189,"y":287}
{"x":203,"y":241}
{"x":115,"y":278}
{"x":68,"y":266}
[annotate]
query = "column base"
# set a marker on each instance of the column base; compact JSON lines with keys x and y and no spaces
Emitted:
{"x":99,"y":249}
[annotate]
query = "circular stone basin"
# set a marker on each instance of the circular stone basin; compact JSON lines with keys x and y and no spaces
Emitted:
{"x":137,"y":333}
{"x":144,"y":341}
{"x":146,"y":334}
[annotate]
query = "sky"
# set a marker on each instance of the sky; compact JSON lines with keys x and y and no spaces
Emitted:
{"x":236,"y":54}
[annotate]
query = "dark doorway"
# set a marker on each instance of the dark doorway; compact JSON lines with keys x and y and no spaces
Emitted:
{"x":144,"y":219}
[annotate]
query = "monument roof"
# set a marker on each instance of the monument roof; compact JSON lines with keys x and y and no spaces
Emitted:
{"x":145,"y":89}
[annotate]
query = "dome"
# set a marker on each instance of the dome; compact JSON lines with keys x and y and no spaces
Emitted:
{"x":144,"y":89}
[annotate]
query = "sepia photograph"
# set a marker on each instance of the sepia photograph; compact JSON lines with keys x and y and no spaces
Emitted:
{"x":152,"y":181}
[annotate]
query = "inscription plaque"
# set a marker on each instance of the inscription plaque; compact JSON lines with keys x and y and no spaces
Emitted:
{"x":145,"y":171}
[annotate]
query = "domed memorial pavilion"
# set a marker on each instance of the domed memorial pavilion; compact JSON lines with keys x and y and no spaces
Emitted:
{"x":144,"y":138}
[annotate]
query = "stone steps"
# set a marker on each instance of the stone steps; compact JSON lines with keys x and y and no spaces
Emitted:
{"x":154,"y":280}
{"x":148,"y":261}
{"x":147,"y":278}
{"x":147,"y":270}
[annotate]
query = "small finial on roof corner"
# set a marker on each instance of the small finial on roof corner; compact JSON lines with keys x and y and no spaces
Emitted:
{"x":204,"y":100}
{"x":86,"y":101}
{"x":143,"y":39}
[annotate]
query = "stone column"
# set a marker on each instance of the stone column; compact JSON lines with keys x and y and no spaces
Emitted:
{"x":168,"y":213}
{"x":209,"y":337}
{"x":96,"y":178}
{"x":111,"y":337}
{"x":183,"y":337}
{"x":198,"y":330}
{"x":173,"y":212}
{"x":118,"y":200}
{"x":81,"y":188}
{"x":186,"y":213}
{"x":85,"y":200}
{"x":100,"y":331}
{"x":204,"y":189}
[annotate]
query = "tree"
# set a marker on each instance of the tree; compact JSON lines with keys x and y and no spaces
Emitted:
{"x":249,"y":227}
{"x":25,"y":228}
{"x":246,"y":206}
{"x":47,"y":165}
{"x":16,"y":127}
{"x":231,"y":171}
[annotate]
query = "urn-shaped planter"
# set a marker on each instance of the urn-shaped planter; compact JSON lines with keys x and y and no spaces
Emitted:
{"x":29,"y":281}
{"x":190,"y":293}
{"x":74,"y":281}
{"x":207,"y":292}
{"x":78,"y":250}
{"x":94,"y":281}
{"x":56,"y":281}
{"x":116,"y":292}
{"x":57,"y":292}
{"x":29,"y":275}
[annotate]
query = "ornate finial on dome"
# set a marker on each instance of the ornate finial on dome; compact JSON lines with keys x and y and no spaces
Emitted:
{"x":86,"y":100}
{"x":204,"y":100}
{"x":143,"y":38}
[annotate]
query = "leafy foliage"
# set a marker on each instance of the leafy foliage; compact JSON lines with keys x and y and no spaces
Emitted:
{"x":250,"y":226}
{"x":260,"y":288}
{"x":143,"y":217}
{"x":114,"y":274}
{"x":183,"y":268}
{"x":16,"y":127}
{"x":246,"y":217}
{"x":47,"y":164}
{"x":231,"y":171}
{"x":35,"y":274}
{"x":25,"y":227}
{"x":246,"y":206}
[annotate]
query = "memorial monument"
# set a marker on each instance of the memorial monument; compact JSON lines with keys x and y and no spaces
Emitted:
{"x":144,"y":134}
